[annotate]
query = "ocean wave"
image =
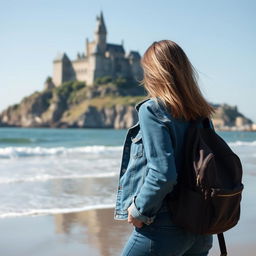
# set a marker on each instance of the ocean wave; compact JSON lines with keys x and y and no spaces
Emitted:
{"x":12,"y":152}
{"x":37,"y":212}
{"x":243,"y":143}
{"x":51,"y":177}
{"x":19,"y":140}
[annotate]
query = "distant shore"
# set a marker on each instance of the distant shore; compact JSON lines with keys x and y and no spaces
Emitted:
{"x":236,"y":129}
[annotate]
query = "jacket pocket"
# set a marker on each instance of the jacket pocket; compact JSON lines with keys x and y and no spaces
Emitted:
{"x":137,"y":146}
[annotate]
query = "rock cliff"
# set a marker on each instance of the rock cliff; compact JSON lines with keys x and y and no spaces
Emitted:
{"x":73,"y":104}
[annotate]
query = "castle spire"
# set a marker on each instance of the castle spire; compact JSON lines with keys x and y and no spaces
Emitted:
{"x":100,"y":34}
{"x":100,"y":28}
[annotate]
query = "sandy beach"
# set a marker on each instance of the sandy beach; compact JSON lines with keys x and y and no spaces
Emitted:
{"x":64,"y":180}
{"x":93,"y":233}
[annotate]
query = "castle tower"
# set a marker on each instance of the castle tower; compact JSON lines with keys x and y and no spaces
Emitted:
{"x":96,"y":52}
{"x":62,"y":69}
{"x":101,"y":34}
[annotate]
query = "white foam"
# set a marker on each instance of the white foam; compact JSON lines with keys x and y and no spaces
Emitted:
{"x":243,"y":143}
{"x":50,"y":177}
{"x":36,"y":212}
{"x":13,"y":152}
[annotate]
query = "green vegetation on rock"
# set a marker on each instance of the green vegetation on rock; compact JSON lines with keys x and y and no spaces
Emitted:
{"x":67,"y":88}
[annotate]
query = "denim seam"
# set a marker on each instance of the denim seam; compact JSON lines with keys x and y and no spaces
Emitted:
{"x":135,"y":240}
{"x":150,"y":248}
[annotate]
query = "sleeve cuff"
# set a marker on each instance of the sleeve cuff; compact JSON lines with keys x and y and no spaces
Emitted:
{"x":136,"y":214}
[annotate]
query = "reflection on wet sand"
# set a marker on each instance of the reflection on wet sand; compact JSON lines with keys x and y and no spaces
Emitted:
{"x":96,"y":228}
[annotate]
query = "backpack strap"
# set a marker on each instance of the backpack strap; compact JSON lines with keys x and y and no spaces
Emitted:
{"x":206,"y":122}
{"x":196,"y":121}
{"x":222,"y":244}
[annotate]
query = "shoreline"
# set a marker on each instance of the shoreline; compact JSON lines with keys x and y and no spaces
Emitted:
{"x":226,"y":129}
{"x":91,"y":232}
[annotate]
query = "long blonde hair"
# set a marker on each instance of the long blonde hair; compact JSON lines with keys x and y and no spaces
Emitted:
{"x":169,"y":75}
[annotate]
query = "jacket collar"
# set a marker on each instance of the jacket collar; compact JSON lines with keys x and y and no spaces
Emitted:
{"x":137,"y":106}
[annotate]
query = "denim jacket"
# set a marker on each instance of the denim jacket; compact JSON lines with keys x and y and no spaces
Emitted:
{"x":150,"y":162}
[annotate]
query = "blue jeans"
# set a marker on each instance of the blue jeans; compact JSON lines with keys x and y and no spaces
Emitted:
{"x":163,"y":238}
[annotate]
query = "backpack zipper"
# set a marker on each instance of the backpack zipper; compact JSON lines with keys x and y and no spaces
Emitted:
{"x":234,"y":194}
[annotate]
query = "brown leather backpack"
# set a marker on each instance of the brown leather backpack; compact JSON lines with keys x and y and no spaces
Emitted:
{"x":206,"y":199}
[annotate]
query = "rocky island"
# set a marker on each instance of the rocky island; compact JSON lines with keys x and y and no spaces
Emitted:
{"x":108,"y":104}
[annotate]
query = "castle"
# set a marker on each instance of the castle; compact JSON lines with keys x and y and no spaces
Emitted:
{"x":100,"y":59}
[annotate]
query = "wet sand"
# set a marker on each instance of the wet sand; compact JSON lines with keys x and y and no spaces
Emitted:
{"x":93,"y":233}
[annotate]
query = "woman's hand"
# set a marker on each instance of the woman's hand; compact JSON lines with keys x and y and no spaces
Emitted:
{"x":137,"y":223}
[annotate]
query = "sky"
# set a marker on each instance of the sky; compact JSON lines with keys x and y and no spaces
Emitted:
{"x":219,"y":38}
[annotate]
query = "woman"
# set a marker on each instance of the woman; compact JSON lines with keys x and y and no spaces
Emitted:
{"x":152,"y":155}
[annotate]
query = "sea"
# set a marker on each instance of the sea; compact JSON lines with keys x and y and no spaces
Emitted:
{"x":46,"y":171}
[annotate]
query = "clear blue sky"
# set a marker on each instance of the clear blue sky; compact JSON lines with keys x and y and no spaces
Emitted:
{"x":218,"y":36}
